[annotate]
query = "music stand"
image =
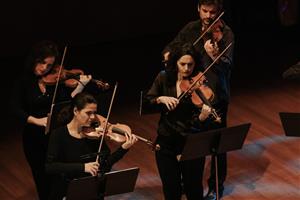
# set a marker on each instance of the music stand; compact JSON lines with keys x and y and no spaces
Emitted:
{"x":290,"y":123}
{"x":214,"y":142}
{"x":95,"y":187}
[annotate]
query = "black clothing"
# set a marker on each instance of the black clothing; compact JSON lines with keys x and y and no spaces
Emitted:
{"x":218,"y":79}
{"x":183,"y":119}
{"x":65,"y":161}
{"x":220,"y":73}
{"x":292,"y":73}
{"x":172,"y":128}
{"x":27,"y":99}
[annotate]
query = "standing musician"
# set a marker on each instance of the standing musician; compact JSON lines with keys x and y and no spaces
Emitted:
{"x":178,"y":117}
{"x":31,"y":102}
{"x":68,"y":145}
{"x":209,"y":46}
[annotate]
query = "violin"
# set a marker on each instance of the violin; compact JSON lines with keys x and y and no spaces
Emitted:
{"x":215,"y":34}
{"x":69,"y":77}
{"x":185,"y":85}
{"x":197,"y":89}
{"x":214,"y":31}
{"x":116,"y":132}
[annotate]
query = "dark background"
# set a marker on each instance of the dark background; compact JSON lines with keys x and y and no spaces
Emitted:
{"x":122,"y":40}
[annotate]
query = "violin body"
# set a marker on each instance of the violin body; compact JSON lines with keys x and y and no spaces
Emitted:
{"x":116,"y":132}
{"x":215,"y":34}
{"x":68,"y":77}
{"x":96,"y":129}
{"x":197,"y":91}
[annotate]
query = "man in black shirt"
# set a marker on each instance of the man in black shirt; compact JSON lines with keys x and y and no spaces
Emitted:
{"x":209,"y":47}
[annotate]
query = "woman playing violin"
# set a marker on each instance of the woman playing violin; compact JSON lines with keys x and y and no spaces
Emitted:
{"x":178,"y":118}
{"x":31,"y":102}
{"x":69,"y":146}
{"x":214,"y":41}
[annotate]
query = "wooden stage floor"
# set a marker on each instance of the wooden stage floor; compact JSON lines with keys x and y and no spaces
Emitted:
{"x":266,"y":168}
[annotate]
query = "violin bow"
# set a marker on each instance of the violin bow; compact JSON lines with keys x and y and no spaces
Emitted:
{"x":208,"y":28}
{"x":106,"y":122}
{"x":204,"y":72}
{"x":47,"y":129}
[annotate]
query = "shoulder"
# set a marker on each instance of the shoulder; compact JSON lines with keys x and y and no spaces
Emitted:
{"x":193,"y":25}
{"x":59,"y":132}
{"x":227,"y":30}
{"x":162,"y":75}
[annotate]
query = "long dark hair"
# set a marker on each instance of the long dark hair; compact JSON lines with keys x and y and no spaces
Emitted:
{"x":39,"y":52}
{"x":179,"y":50}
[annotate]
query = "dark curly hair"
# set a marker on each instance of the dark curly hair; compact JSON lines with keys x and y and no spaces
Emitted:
{"x":218,"y":3}
{"x":39,"y":52}
{"x":179,"y":50}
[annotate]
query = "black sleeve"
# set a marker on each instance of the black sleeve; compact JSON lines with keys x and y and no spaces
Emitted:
{"x":292,"y":73}
{"x":54,"y":163}
{"x":149,"y":100}
{"x":108,"y":159}
{"x":17,"y":102}
{"x":116,"y":156}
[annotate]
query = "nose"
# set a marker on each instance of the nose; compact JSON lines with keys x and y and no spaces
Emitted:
{"x":93,"y":116}
{"x":208,"y":15}
{"x":185,"y":67}
{"x":44,"y":67}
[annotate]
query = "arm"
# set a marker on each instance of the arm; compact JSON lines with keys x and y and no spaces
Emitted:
{"x":19,"y":103}
{"x":83,"y":81}
{"x":292,"y":73}
{"x":158,"y":94}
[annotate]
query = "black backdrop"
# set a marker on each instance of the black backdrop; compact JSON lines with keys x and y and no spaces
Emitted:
{"x":122,"y":40}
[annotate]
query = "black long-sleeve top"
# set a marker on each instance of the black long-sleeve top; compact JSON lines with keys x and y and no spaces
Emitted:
{"x":27,"y":99}
{"x":184,"y":119}
{"x":65,"y":158}
{"x":220,"y":73}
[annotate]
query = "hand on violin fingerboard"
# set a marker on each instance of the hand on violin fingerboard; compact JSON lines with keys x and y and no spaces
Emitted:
{"x":205,"y":112}
{"x":131,"y":139}
{"x":170,"y":102}
{"x":211,"y":49}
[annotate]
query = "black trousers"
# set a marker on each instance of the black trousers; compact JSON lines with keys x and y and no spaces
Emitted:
{"x":221,"y":158}
{"x":35,"y":148}
{"x":174,"y":173}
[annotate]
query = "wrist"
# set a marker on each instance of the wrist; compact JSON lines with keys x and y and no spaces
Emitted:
{"x":158,"y":101}
{"x":125,"y":146}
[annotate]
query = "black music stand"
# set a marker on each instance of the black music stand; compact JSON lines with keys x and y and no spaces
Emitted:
{"x":95,"y":187}
{"x":290,"y":123}
{"x":214,"y":142}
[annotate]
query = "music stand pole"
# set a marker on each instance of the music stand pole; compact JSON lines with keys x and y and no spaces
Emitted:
{"x":214,"y":142}
{"x":217,"y":176}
